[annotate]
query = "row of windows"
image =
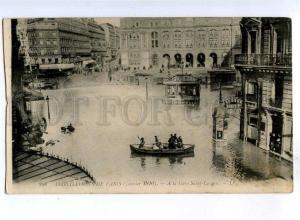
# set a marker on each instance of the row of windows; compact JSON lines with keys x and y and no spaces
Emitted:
{"x":66,"y":49}
{"x":34,"y":34}
{"x":212,"y":43}
{"x":134,"y":55}
{"x":48,"y":42}
{"x":37,"y":51}
{"x":157,"y":23}
{"x":97,"y":43}
{"x":186,"y":34}
{"x":49,"y":60}
{"x":134,"y":63}
{"x":74,"y":37}
{"x":163,"y":23}
{"x":71,"y":28}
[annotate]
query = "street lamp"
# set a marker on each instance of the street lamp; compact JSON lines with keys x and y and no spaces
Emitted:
{"x":146,"y":88}
{"x":47,"y":99}
{"x":220,"y":94}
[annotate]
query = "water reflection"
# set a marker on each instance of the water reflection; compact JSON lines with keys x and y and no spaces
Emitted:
{"x":246,"y":162}
{"x":160,"y":160}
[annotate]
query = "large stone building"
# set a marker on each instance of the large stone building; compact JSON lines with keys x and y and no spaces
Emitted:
{"x":266,"y":69}
{"x":23,"y":38}
{"x":112,"y":36}
{"x":98,"y":42}
{"x":65,"y":42}
{"x":170,"y":42}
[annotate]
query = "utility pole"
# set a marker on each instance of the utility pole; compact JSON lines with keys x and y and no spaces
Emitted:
{"x":146,"y":88}
{"x":220,"y":94}
{"x":47,"y":99}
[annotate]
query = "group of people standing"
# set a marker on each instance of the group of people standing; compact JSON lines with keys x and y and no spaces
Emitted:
{"x":173,"y":142}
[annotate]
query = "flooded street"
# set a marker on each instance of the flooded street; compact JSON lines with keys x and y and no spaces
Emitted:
{"x":108,"y":117}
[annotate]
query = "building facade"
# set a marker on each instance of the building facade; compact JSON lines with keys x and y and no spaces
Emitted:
{"x":23,"y":39}
{"x":171,"y":42}
{"x":112,"y":36}
{"x":65,"y":41}
{"x":266,"y":70}
{"x":98,"y":42}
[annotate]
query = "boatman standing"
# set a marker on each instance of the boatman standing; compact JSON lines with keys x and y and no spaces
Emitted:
{"x":142,"y":142}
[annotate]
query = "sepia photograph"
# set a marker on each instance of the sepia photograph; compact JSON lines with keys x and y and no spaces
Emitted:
{"x":149,"y":105}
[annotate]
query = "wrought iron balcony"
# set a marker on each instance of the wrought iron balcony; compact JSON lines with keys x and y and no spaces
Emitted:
{"x":264,"y":59}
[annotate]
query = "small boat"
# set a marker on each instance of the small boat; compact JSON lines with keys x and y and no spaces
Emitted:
{"x":151,"y":149}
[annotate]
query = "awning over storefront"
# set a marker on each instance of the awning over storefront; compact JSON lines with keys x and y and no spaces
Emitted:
{"x":57,"y":66}
{"x":88,"y":62}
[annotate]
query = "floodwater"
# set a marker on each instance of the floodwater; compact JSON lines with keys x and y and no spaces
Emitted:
{"x":108,"y":117}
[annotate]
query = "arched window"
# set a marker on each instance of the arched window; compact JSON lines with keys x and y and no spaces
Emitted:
{"x":177,"y":39}
{"x":189,"y":39}
{"x":154,"y":39}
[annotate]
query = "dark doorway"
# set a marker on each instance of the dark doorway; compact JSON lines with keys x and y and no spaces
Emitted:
{"x":278,"y":91}
{"x":253,"y":42}
{"x":167,"y":59}
{"x":201,"y":59}
{"x":214,"y":58}
{"x":275,"y":135}
{"x":189,"y":59}
{"x":178,"y":59}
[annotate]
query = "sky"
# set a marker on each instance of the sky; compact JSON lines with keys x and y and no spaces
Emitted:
{"x":112,"y":20}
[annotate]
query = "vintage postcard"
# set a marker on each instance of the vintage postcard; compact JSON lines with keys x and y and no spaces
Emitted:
{"x":149,"y":105}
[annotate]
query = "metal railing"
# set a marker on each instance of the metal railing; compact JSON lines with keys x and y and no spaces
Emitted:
{"x":264,"y":59}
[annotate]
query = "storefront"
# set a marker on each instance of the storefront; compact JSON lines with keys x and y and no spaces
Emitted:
{"x":57,"y":69}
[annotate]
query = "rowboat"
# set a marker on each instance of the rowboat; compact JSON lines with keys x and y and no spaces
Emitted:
{"x":151,"y":149}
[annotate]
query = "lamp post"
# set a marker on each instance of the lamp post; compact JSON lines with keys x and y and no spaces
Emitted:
{"x":220,"y":94}
{"x":47,"y":99}
{"x":146,"y":88}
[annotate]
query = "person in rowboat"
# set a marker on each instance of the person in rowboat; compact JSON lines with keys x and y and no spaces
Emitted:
{"x":171,"y":142}
{"x":157,"y":142}
{"x":142,"y":142}
{"x":175,"y":140}
{"x":179,"y":142}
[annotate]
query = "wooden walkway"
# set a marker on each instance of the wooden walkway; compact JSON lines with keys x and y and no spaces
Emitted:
{"x":44,"y":168}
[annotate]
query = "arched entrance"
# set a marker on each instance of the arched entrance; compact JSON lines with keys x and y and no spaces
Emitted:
{"x":214,"y":59}
{"x":201,"y":59}
{"x":166,"y":60}
{"x":189,"y":58}
{"x":178,"y":60}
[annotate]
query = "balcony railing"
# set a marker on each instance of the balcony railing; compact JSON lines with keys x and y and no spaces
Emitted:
{"x":264,"y":59}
